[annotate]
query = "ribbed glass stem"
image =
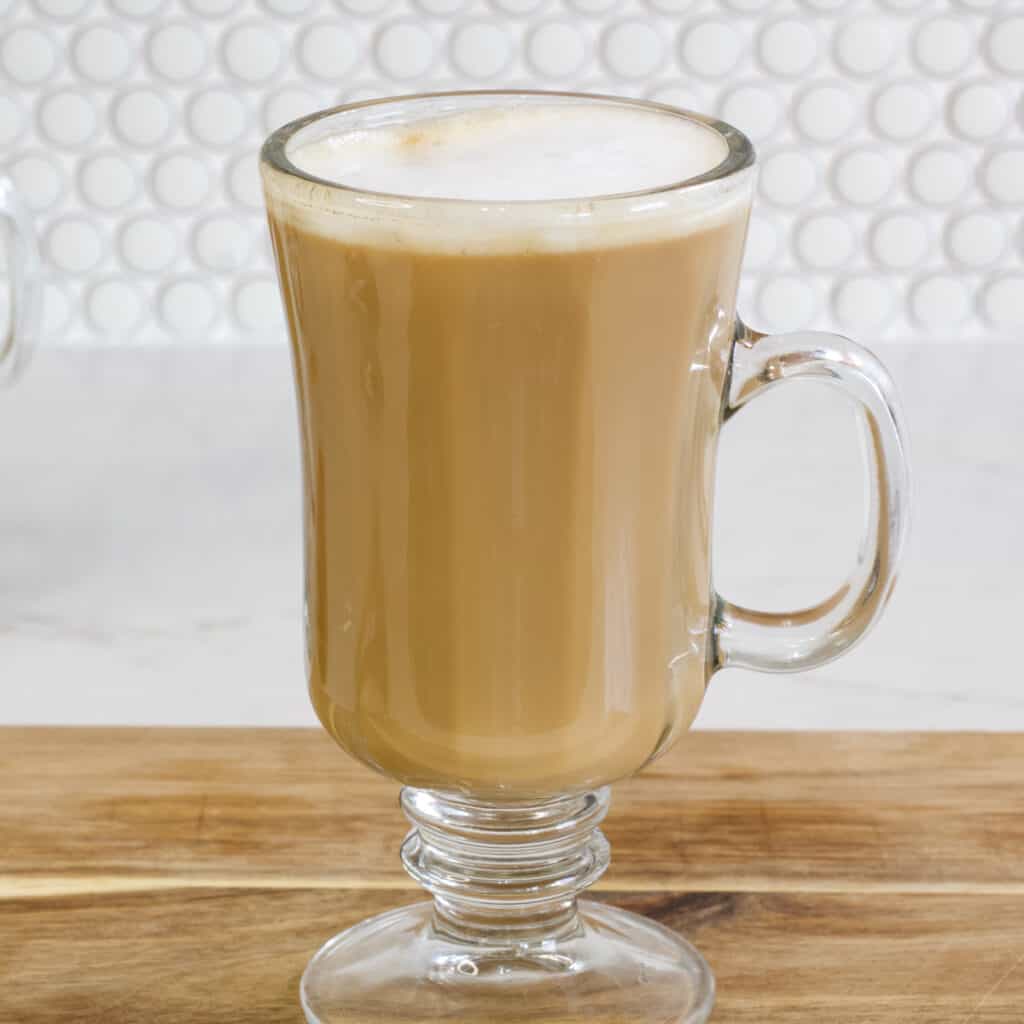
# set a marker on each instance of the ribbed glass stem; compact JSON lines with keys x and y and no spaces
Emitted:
{"x":505,"y":874}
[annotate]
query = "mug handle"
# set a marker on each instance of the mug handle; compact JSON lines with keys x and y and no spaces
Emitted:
{"x":797,"y":640}
{"x":23,"y":283}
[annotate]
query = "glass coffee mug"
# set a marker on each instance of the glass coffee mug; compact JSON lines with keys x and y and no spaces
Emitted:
{"x":22,"y":273}
{"x":515,"y":343}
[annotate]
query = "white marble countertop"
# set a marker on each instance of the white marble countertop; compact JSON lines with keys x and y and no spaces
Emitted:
{"x":150,"y":560}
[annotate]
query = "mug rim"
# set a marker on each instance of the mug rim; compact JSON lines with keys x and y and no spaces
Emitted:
{"x":740,"y":154}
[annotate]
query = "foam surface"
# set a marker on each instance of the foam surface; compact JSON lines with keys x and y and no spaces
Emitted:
{"x":555,"y":152}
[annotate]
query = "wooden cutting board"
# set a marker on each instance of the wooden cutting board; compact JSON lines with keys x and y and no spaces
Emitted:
{"x":185,"y":876}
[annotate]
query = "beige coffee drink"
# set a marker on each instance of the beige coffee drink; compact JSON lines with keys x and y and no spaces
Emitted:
{"x":509,"y":400}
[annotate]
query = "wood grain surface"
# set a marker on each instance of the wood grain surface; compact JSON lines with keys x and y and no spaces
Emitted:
{"x":165,"y":876}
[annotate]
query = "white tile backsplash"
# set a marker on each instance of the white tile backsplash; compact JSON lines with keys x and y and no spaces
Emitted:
{"x":891,"y":134}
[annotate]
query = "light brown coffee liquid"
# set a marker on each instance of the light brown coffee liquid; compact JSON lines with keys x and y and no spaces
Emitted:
{"x":508,"y":479}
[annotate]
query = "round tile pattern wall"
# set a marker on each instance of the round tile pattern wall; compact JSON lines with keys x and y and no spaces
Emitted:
{"x":891,"y":136}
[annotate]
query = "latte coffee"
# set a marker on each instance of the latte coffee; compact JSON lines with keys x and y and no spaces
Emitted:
{"x":510,"y":394}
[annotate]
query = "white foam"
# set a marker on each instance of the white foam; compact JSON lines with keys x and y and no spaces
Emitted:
{"x":586,"y":171}
{"x":518,"y":153}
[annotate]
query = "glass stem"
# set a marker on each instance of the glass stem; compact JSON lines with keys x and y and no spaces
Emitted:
{"x":505,"y":874}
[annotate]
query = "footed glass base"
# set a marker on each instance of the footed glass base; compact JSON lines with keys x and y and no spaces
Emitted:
{"x":506,"y":939}
{"x":402,"y":967}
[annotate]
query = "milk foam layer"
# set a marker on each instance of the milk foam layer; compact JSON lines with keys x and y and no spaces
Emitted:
{"x":592,"y":165}
{"x":553,"y":152}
